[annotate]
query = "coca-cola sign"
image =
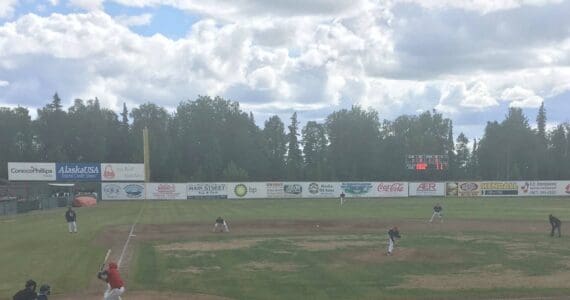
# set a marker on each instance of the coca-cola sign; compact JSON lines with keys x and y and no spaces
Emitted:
{"x":392,"y":189}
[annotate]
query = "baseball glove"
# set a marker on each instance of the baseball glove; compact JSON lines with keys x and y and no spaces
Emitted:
{"x":102,"y":275}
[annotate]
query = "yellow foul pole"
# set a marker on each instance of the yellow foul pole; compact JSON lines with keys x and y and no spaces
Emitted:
{"x":146,"y":155}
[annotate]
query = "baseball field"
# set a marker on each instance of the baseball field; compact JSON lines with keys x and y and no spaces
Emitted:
{"x":495,"y":248}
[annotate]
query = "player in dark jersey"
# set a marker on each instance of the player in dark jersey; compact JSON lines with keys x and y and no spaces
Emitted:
{"x":437,"y":211}
{"x":555,"y":223}
{"x":393,"y":234}
{"x":221,"y":225}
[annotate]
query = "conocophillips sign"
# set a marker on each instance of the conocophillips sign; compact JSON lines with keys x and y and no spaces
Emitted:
{"x":31,"y":171}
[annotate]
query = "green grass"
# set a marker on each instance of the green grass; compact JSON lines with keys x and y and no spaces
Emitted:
{"x":37,"y":246}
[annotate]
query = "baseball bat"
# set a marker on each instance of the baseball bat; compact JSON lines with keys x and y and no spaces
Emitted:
{"x":105,"y":260}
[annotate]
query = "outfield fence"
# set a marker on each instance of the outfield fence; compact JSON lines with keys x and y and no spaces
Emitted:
{"x":309,"y":189}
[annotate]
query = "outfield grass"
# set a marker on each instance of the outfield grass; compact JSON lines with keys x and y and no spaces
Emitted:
{"x":37,"y":246}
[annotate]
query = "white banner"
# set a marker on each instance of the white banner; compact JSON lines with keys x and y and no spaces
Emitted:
{"x":284,"y":189}
{"x":538,"y":188}
{"x":123,"y":191}
{"x":358,"y":189}
{"x":207,"y":190}
{"x":426,"y":189}
{"x":246,"y":190}
{"x":563,"y":188}
{"x":122,"y":172}
{"x":321,"y":189}
{"x":166,"y":191}
{"x":390,"y":189}
{"x":24,"y":171}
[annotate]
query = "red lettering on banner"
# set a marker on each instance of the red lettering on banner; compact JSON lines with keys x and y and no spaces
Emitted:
{"x":166,"y":188}
{"x":427,"y":187}
{"x":394,"y":187}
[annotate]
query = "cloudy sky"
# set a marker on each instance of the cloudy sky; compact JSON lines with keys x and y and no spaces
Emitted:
{"x":470,"y":59}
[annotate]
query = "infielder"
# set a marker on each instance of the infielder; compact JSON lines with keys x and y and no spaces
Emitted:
{"x":221,"y":225}
{"x":71,"y":218}
{"x":393,"y":234}
{"x":342,"y":195}
{"x":555,"y":223}
{"x":28,"y":293}
{"x":437,"y":209}
{"x":115,"y":286}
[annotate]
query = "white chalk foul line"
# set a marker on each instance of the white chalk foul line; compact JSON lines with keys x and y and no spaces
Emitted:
{"x":130,"y":235}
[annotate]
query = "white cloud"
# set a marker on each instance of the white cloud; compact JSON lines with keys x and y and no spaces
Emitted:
{"x":54,"y":2}
{"x":139,"y":20}
{"x":481,"y":6}
{"x":7,"y":8}
{"x":88,"y":5}
{"x":270,"y":56}
{"x":239,"y":9}
{"x":4,"y":83}
{"x":457,"y":96}
{"x":520,"y":97}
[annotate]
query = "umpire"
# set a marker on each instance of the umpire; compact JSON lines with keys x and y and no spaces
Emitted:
{"x":555,"y":223}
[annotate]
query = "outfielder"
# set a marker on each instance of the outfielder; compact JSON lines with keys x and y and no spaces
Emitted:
{"x":71,"y":218}
{"x":342,"y":195}
{"x":393,"y":234}
{"x":115,"y":286}
{"x":221,"y":225}
{"x":437,"y":209}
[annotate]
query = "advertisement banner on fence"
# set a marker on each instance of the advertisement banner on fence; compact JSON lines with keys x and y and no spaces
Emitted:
{"x":563,"y":188}
{"x":284,"y":189}
{"x":499,"y":188}
{"x":358,"y":189}
{"x":468,"y":189}
{"x":245,"y":190}
{"x":122,"y":172}
{"x":166,"y":191}
{"x":78,"y":172}
{"x":421,"y":189}
{"x":538,"y":188}
{"x":451,"y":189}
{"x":391,"y":189}
{"x":23,"y":171}
{"x":207,"y":190}
{"x":275,"y":189}
{"x":123,"y":191}
{"x":321,"y":189}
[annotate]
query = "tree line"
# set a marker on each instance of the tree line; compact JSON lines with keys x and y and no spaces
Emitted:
{"x":212,"y":139}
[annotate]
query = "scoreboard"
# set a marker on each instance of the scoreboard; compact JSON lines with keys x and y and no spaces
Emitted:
{"x":421,"y":162}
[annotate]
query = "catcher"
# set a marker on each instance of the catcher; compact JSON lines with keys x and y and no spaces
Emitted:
{"x":28,"y":293}
{"x":115,"y":286}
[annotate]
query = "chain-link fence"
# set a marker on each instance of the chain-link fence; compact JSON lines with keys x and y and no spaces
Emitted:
{"x":22,"y":197}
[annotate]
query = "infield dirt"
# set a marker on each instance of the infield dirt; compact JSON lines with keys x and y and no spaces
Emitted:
{"x":315,"y":233}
